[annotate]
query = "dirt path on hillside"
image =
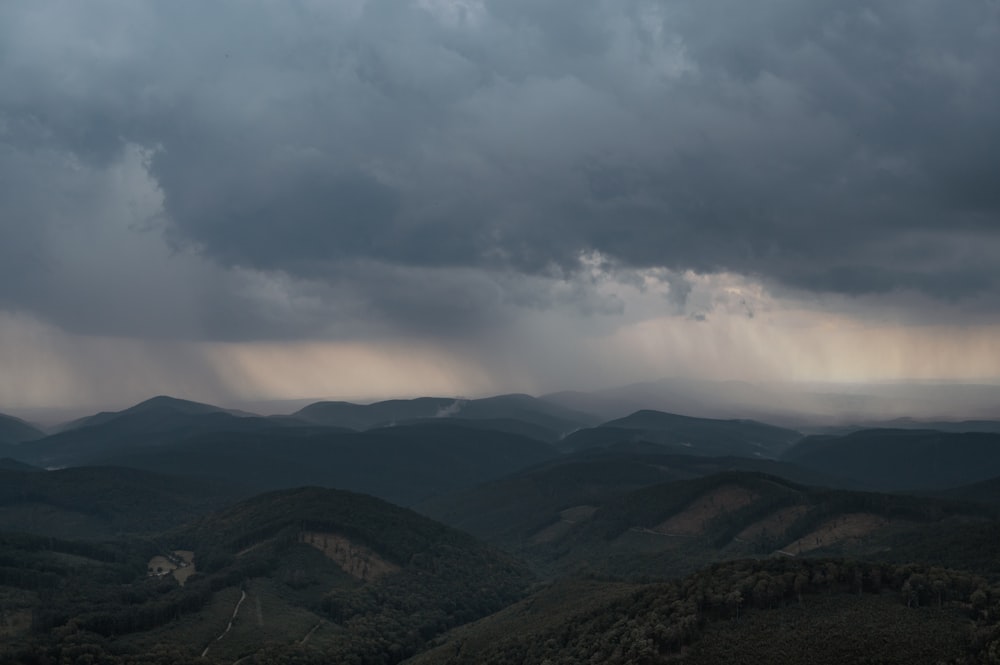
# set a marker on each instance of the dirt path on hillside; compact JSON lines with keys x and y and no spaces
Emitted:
{"x":236,"y":610}
{"x":310,"y":633}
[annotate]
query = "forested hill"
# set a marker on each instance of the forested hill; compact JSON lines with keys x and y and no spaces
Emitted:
{"x":676,"y":527}
{"x":311,"y":574}
{"x":902,"y":460}
{"x":555,"y":419}
{"x":688,"y":435}
{"x":15,"y":430}
{"x":512,"y":509}
{"x":781,"y":611}
{"x":97,"y":503}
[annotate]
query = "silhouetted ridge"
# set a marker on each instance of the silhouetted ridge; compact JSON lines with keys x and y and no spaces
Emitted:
{"x":699,"y":436}
{"x":531,"y":410}
{"x":15,"y":430}
{"x":903,"y":459}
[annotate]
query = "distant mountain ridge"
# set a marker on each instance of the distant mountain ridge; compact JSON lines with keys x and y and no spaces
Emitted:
{"x":402,"y":464}
{"x":902,"y":459}
{"x":688,"y":435}
{"x":435,"y":445}
{"x":157,"y":407}
{"x":157,"y":421}
{"x":955,"y":426}
{"x":11,"y":464}
{"x":96,"y":502}
{"x":792,"y":404}
{"x":510,"y":509}
{"x":15,"y":430}
{"x":525,"y":408}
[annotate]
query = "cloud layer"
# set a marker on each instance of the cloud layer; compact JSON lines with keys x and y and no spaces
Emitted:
{"x":444,"y":169}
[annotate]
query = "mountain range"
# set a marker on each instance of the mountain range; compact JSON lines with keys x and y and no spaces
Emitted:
{"x":504,"y":529}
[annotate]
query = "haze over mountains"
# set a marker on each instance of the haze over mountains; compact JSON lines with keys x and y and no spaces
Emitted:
{"x":15,"y":430}
{"x":411,"y":449}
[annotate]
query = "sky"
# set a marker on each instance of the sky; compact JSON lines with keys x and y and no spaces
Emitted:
{"x":244,"y":200}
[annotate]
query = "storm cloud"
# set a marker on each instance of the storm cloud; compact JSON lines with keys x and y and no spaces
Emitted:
{"x":241,"y":171}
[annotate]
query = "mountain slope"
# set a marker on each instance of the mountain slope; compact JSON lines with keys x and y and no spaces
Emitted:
{"x":893,"y":459}
{"x":685,"y":434}
{"x":310,"y":574}
{"x":510,"y":510}
{"x":161,"y":406}
{"x":403,"y":464}
{"x":986,"y":491}
{"x":675,"y":527}
{"x":523,"y":408}
{"x":775,"y":611}
{"x":11,"y":464}
{"x":157,"y":421}
{"x":15,"y":430}
{"x":101,"y":502}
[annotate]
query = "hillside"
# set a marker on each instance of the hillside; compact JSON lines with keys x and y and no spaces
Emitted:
{"x":510,"y":510}
{"x":673,"y":528}
{"x":958,"y":426}
{"x":688,"y":435}
{"x":897,"y":459}
{"x":324,"y":575}
{"x":10,"y":464}
{"x":95,"y":503}
{"x":155,"y":422}
{"x":15,"y":430}
{"x":506,"y":425}
{"x":403,"y":464}
{"x":782,"y":611}
{"x":986,"y":491}
{"x":553,"y":418}
{"x":157,"y":407}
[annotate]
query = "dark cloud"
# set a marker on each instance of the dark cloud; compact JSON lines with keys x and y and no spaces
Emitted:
{"x":438,"y":164}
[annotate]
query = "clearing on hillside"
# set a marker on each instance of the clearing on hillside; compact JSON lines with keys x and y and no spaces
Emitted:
{"x":837,"y":530}
{"x":774,"y":524}
{"x":179,"y":563}
{"x":694,"y":519}
{"x":567,"y":518}
{"x":356,"y":560}
{"x":578,"y":513}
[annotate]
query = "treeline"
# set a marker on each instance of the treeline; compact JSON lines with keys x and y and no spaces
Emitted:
{"x":118,"y":500}
{"x":389,"y":621}
{"x":659,"y":620}
{"x":34,"y":562}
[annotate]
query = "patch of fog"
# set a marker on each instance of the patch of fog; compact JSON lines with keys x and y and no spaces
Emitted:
{"x":450,"y":410}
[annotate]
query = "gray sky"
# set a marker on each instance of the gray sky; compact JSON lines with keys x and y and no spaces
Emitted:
{"x":267,"y":199}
